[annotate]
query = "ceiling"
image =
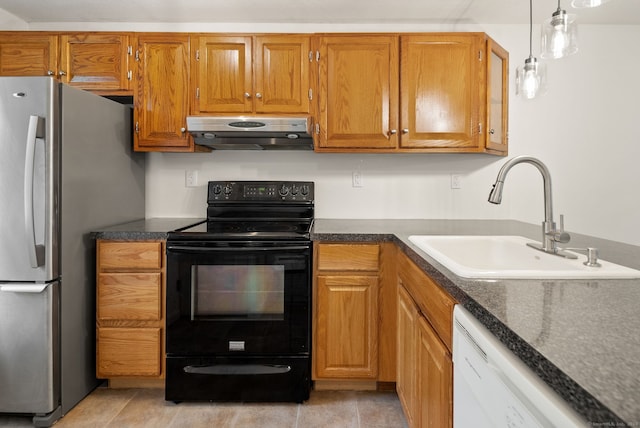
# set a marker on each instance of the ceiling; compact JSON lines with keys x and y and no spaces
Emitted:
{"x":621,"y":12}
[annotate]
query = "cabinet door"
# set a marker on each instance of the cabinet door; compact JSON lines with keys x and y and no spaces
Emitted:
{"x":28,"y":54}
{"x":497,"y":97}
{"x":435,"y":379}
{"x":161,"y":97}
{"x":281,"y":67}
{"x":406,"y":384}
{"x":358,"y":93}
{"x":223,"y":80}
{"x":95,"y":61}
{"x":440,"y":91}
{"x":346,"y":339}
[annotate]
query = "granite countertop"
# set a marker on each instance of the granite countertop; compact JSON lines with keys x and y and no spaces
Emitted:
{"x":580,"y":336}
{"x":151,"y":228}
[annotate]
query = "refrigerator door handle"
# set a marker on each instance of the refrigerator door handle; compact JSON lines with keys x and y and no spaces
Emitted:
{"x":23,"y":288}
{"x":36,"y":252}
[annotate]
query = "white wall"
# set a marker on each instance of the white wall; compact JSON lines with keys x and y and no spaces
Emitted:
{"x":584,"y":129}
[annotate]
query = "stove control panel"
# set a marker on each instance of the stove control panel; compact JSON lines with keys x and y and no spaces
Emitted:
{"x":285,"y":191}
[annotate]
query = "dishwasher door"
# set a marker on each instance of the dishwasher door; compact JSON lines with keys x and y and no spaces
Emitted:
{"x":493,"y":388}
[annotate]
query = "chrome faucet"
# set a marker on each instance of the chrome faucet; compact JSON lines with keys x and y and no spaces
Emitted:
{"x":550,"y":235}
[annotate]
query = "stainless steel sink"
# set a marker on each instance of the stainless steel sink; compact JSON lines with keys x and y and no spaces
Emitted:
{"x":510,"y":257}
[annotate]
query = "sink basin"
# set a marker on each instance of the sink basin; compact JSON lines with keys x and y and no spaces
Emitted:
{"x":509,"y":257}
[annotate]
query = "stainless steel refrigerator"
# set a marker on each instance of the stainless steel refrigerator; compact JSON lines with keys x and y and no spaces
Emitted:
{"x":66,"y":169}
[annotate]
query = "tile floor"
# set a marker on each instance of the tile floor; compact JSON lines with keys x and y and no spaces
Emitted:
{"x":135,"y":408}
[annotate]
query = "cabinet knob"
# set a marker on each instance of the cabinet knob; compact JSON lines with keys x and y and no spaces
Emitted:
{"x":50,"y":73}
{"x":259,"y":95}
{"x":183,"y":130}
{"x":247,"y":95}
{"x":492,"y":131}
{"x":62,"y":73}
{"x":393,"y":132}
{"x":405,"y":130}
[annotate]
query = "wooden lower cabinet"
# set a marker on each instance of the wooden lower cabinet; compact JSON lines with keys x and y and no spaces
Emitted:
{"x":346,"y":311}
{"x":130,"y":310}
{"x":435,"y":379}
{"x":354,"y":314}
{"x":425,"y":367}
{"x":406,"y":384}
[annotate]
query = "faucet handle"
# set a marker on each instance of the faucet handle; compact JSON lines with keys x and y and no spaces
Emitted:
{"x":560,"y":235}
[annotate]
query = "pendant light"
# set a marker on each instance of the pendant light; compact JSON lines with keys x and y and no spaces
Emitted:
{"x":587,"y":3}
{"x":531,"y":80}
{"x":559,"y":35}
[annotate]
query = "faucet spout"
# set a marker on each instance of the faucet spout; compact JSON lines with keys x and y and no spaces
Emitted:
{"x":550,"y":235}
{"x":495,"y":197}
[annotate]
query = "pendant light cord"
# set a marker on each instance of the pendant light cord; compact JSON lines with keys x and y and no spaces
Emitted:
{"x":531,"y":28}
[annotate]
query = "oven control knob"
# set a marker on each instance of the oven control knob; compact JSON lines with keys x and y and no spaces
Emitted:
{"x":294,"y":190}
{"x":284,"y":190}
{"x":217,"y":189}
{"x":304,"y":190}
{"x":228,"y":189}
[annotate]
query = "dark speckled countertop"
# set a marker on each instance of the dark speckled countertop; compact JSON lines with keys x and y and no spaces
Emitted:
{"x":151,"y":228}
{"x":582,"y":337}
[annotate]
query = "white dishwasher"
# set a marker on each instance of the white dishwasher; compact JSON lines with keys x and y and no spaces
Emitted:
{"x":493,"y":388}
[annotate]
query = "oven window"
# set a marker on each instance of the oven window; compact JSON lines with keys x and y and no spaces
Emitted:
{"x":238,"y":292}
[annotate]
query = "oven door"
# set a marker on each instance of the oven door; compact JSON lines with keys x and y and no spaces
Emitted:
{"x":238,"y":298}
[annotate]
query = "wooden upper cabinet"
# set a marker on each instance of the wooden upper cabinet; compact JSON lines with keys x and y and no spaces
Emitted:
{"x":161,"y":94}
{"x":28,"y":53}
{"x":358,"y":93}
{"x":251,"y":74}
{"x":223,"y":77}
{"x":426,"y":92}
{"x":96,"y":61}
{"x":281,"y":69}
{"x":99,"y":62}
{"x":440,"y":91}
{"x":497,"y":98}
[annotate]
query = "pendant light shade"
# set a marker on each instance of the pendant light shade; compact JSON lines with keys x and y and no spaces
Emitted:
{"x":587,"y":3}
{"x":559,"y":35}
{"x":531,"y":79}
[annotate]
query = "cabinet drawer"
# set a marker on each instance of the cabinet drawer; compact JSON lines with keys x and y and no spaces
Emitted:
{"x":129,"y":296}
{"x":130,"y":255}
{"x":129,"y":352}
{"x":348,"y":257}
{"x":433,"y":301}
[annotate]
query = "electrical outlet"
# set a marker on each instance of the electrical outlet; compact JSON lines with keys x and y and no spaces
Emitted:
{"x":356,"y":179}
{"x":191,"y":178}
{"x":456,"y":181}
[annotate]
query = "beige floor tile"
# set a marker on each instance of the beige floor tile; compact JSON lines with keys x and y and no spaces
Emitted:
{"x":334,"y":409}
{"x":97,"y":409}
{"x":205,"y":415}
{"x":142,"y":408}
{"x":281,"y":415}
{"x":147,"y":408}
{"x":380,"y":410}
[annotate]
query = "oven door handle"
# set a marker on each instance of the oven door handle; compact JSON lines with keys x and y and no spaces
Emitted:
{"x":188,"y":249}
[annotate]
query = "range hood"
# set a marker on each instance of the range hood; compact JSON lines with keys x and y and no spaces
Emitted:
{"x":251,"y":132}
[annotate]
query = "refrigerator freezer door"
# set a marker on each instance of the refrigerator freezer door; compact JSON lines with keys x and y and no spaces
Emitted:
{"x":29,"y":374}
{"x":28,"y":178}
